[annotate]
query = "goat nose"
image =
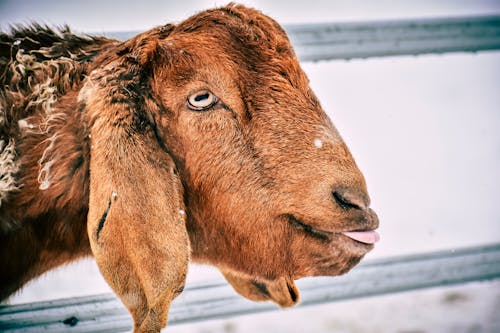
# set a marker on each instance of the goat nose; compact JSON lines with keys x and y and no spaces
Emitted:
{"x":348,"y":198}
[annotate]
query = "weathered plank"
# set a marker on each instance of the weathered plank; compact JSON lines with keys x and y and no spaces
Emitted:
{"x":104,"y":313}
{"x":328,"y":41}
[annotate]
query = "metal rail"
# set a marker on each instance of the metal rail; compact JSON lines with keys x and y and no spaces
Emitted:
{"x":105,"y":313}
{"x":328,"y":41}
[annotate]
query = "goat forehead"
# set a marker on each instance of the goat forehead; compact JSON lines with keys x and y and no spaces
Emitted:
{"x":220,"y":51}
{"x":291,"y":111}
{"x":224,"y":45}
{"x":187,"y":63}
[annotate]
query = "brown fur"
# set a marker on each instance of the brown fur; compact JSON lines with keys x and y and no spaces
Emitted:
{"x":110,"y":161}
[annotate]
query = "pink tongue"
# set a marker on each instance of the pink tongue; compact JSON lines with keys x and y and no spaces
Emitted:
{"x":368,"y":237}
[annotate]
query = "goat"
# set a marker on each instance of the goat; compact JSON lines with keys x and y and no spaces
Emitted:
{"x":198,"y":141}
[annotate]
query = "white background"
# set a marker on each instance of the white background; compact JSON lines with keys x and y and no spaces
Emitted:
{"x":424,"y":130}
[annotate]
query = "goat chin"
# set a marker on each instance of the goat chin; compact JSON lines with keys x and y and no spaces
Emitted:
{"x":281,"y":291}
{"x":201,"y":139}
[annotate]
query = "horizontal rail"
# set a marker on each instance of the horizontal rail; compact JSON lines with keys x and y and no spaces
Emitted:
{"x":329,"y":41}
{"x":104,"y":313}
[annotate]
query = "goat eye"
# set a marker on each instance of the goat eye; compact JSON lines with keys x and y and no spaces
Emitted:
{"x":201,"y":100}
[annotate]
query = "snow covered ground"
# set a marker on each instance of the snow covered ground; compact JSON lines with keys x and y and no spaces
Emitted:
{"x":425,"y":132}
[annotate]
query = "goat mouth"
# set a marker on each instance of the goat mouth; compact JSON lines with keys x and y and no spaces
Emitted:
{"x":365,"y":237}
{"x":314,"y":232}
{"x":369,"y":237}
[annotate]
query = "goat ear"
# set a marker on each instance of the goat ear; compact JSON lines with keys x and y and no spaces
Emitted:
{"x":281,"y":291}
{"x":136,"y":222}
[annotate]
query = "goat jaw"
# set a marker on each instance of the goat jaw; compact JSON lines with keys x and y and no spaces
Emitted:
{"x":284,"y":292}
{"x":281,"y":291}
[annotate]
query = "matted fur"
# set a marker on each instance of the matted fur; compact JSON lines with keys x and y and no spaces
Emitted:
{"x":9,"y":167}
{"x":101,"y":154}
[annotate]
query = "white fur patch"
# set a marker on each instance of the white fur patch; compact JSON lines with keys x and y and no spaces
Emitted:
{"x":44,"y":98}
{"x":8,"y":168}
{"x":88,"y":88}
{"x":44,"y":185}
{"x":45,"y":163}
{"x":2,"y":113}
{"x":132,"y":300}
{"x":318,"y":143}
{"x":23,"y":123}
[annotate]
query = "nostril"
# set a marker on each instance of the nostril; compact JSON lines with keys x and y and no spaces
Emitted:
{"x":342,"y":202}
{"x":350,"y":200}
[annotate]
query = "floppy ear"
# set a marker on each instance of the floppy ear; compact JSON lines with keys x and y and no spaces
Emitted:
{"x":136,"y":222}
{"x":281,"y":291}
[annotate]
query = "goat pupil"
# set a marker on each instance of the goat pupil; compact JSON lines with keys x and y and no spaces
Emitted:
{"x":201,"y":97}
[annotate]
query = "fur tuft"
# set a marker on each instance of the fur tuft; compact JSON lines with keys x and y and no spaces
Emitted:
{"x":8,"y":169}
{"x":38,"y":66}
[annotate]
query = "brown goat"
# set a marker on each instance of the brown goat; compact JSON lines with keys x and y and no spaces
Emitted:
{"x":200,"y":140}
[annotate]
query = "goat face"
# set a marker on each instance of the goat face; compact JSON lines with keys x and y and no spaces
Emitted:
{"x":267,"y":183}
{"x":270,"y":187}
